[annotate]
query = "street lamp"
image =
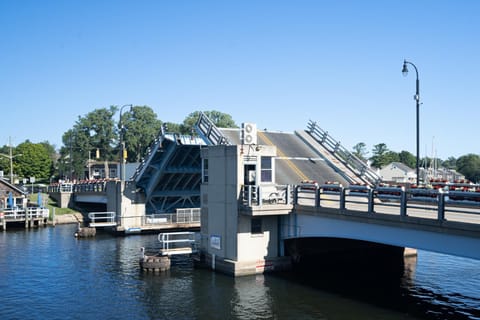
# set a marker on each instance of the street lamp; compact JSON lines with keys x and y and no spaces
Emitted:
{"x":122,"y":144}
{"x":416,"y":97}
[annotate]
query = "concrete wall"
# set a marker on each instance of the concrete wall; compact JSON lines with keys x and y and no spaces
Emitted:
{"x":219,"y":202}
{"x":252,"y":247}
{"x":227,"y":242}
{"x":128,"y":205}
{"x":63,"y":199}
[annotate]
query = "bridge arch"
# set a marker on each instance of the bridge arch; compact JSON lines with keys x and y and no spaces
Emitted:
{"x":393,"y":232}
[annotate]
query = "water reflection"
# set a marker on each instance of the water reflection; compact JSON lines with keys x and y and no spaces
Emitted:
{"x":444,"y":286}
{"x":252,"y":298}
{"x":47,"y":273}
{"x":432,"y":286}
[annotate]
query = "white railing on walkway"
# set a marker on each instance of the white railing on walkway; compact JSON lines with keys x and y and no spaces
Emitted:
{"x":22,"y":214}
{"x":173,"y":243}
{"x":102,"y":219}
{"x":181,"y":216}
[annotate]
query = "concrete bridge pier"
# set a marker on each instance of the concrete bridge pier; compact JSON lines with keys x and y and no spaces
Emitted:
{"x":127,"y":203}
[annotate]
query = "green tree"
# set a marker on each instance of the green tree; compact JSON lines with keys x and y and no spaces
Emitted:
{"x":360,"y":151}
{"x":407,"y":159}
{"x":391,"y":156}
{"x":450,"y":163}
{"x":469,"y":166}
{"x":378,"y":158}
{"x":35,"y":161}
{"x":170,"y":127}
{"x":96,"y":130}
{"x":53,"y":156}
{"x":220,"y":119}
{"x":141,"y":127}
{"x":5,"y":159}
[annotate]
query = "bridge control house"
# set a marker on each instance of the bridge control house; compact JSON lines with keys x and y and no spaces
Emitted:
{"x":241,"y":209}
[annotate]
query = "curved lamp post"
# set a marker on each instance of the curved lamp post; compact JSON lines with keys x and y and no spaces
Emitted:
{"x":417,"y":100}
{"x":122,"y":144}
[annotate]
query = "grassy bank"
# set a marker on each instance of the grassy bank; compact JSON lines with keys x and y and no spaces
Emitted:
{"x":50,"y":204}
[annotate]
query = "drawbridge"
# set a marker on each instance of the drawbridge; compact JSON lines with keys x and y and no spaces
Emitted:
{"x":170,"y":174}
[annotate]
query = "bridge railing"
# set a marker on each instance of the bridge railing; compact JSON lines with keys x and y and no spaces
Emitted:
{"x":209,"y":132}
{"x":80,"y":186}
{"x":60,"y":187}
{"x":181,"y":216}
{"x":435,"y":203}
{"x":341,"y":153}
{"x":90,"y":186}
{"x":266,"y":195}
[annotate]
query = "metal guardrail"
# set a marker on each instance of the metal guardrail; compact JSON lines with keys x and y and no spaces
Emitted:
{"x":173,"y":243}
{"x":374,"y":200}
{"x":349,"y":159}
{"x":90,"y":186}
{"x":60,"y":187}
{"x":82,"y":186}
{"x":102,"y":219}
{"x":181,"y":216}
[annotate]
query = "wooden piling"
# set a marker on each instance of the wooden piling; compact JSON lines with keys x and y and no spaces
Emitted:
{"x":53,"y":217}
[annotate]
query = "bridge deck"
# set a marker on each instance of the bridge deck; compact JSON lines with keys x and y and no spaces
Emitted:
{"x":296,"y":160}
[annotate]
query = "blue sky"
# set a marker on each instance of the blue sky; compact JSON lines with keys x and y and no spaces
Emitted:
{"x":275,"y":63}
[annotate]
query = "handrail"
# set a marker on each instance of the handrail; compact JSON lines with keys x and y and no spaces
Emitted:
{"x":181,"y":216}
{"x":97,"y":185}
{"x":101,"y":217}
{"x":348,"y":158}
{"x":170,"y":242}
{"x":374,"y":200}
{"x":379,"y":199}
{"x":28,"y":213}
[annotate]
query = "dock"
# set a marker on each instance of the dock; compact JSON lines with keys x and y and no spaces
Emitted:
{"x":29,"y":217}
{"x":172,"y":243}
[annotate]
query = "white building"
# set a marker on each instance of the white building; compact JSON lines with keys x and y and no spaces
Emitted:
{"x":397,"y":172}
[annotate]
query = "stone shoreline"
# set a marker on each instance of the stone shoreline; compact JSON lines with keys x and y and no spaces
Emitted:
{"x":68,"y":218}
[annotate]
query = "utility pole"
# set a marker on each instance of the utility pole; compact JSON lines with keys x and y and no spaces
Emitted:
{"x":10,"y":156}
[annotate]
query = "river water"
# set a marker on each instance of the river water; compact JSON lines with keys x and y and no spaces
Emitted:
{"x":46,"y":273}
